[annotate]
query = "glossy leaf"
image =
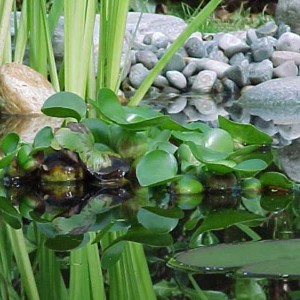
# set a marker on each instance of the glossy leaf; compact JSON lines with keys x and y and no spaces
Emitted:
{"x":159,"y":220}
{"x":244,"y":133}
{"x":273,"y":202}
{"x":98,"y":128}
{"x":221,"y":219}
{"x":204,"y":154}
{"x":10,"y":214}
{"x":250,"y":167}
{"x":275,"y":179}
{"x":67,"y":242}
{"x":156,"y":167}
{"x":6,"y":161}
{"x":43,"y":139}
{"x":257,"y":259}
{"x":10,"y":143}
{"x":65,"y":105}
{"x":218,"y":140}
{"x":112,"y":254}
{"x":192,"y":136}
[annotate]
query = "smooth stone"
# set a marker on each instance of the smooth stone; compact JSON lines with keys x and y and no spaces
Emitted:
{"x":23,"y":91}
{"x":170,"y":90}
{"x":276,"y":99}
{"x":261,"y":71}
{"x":279,"y":57}
{"x":230,"y":87}
{"x":266,"y":126}
{"x":176,"y":63}
{"x":161,"y":81}
{"x":132,"y":57}
{"x":262,"y":49}
{"x":190,"y":69}
{"x":192,"y":114}
{"x":149,"y":23}
{"x":230,"y":44}
{"x":137,"y":74}
{"x":251,"y":36}
{"x":191,"y":80}
{"x":211,"y":65}
{"x":147,"y":39}
{"x":282,"y":28}
{"x":205,"y":106}
{"x":237,"y":58}
{"x":286,"y":69}
{"x":159,"y":40}
{"x":147,"y":58}
{"x":195,"y":48}
{"x":176,"y":79}
{"x":239,"y":73}
{"x":204,"y":81}
{"x":210,"y":46}
{"x":219,"y":56}
{"x":289,"y":132}
{"x":177,"y":105}
{"x":160,"y":52}
{"x":268,"y":29}
{"x":143,"y":47}
{"x":288,"y":42}
{"x":288,"y":12}
{"x":289,"y":160}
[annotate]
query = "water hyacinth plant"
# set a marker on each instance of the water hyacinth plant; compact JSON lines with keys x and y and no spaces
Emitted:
{"x":112,"y":141}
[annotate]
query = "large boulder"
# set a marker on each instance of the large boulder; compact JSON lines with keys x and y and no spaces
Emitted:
{"x":288,"y":12}
{"x":276,"y":99}
{"x":22,"y":90}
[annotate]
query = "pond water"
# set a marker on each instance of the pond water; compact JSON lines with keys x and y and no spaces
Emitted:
{"x":231,"y":214}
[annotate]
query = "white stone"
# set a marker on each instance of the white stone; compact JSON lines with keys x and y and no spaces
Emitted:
{"x":204,"y":81}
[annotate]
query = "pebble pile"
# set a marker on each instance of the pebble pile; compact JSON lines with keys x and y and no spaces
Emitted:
{"x":223,"y":62}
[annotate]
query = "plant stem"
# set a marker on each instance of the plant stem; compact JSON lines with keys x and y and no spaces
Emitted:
{"x":197,"y":288}
{"x":200,"y":18}
{"x":20,"y":252}
{"x":4,"y":26}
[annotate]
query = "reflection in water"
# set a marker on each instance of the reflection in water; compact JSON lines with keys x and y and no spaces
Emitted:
{"x":26,"y":126}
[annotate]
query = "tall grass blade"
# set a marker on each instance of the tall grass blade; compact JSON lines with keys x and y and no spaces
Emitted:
{"x":23,"y":262}
{"x":201,"y":17}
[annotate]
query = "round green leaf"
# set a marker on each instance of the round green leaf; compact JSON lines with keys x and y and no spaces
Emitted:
{"x":250,"y":167}
{"x":276,"y":179}
{"x":65,"y":105}
{"x":156,"y":167}
{"x":218,"y":140}
{"x":43,"y":139}
{"x":10,"y":143}
{"x":67,"y":242}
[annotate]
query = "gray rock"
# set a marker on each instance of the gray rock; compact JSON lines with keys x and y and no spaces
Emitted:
{"x":230,"y":87}
{"x":195,"y":47}
{"x":170,"y":90}
{"x":176,"y":63}
{"x":191,"y":80}
{"x":282,"y":28}
{"x":211,"y":65}
{"x":289,"y":132}
{"x":177,"y":105}
{"x":150,"y":23}
{"x":262,"y":49}
{"x":260,"y":72}
{"x":219,"y":56}
{"x":288,"y":42}
{"x":132,"y":57}
{"x":268,"y":29}
{"x":286,"y":69}
{"x":205,"y":106}
{"x":251,"y":36}
{"x":289,"y":160}
{"x":192,"y":114}
{"x":279,"y":57}
{"x":210,"y":46}
{"x":147,"y":39}
{"x":266,"y":126}
{"x":236,"y":59}
{"x":204,"y":81}
{"x":272,"y":40}
{"x":147,"y":58}
{"x":159,"y":40}
{"x":177,"y":79}
{"x":160,"y":52}
{"x":23,"y":91}
{"x":288,"y":12}
{"x":161,"y":81}
{"x":239,"y":73}
{"x":137,"y":74}
{"x":230,"y":44}
{"x":190,"y":69}
{"x":276,"y":99}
